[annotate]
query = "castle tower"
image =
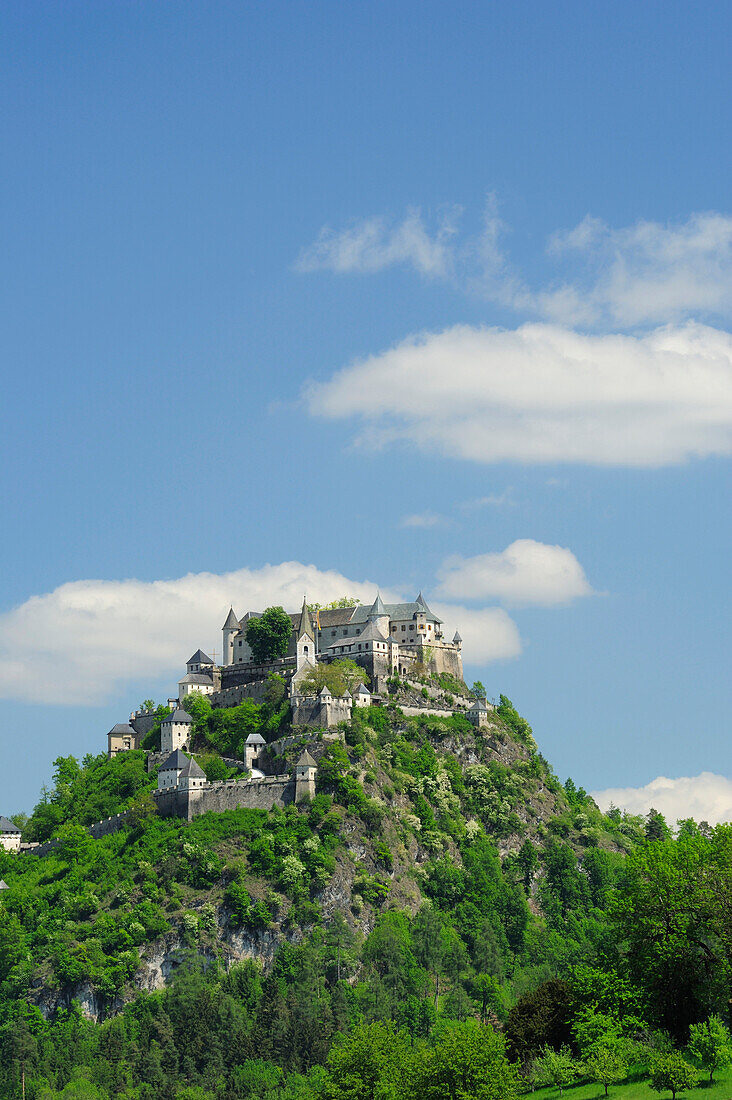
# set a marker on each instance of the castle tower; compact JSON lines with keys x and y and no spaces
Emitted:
{"x":457,"y":640}
{"x":305,"y":776}
{"x":379,"y":616}
{"x":305,"y":651}
{"x":252,"y":748}
{"x":230,"y":628}
{"x":175,"y":731}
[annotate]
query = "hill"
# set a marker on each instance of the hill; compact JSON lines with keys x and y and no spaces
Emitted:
{"x":440,"y":875}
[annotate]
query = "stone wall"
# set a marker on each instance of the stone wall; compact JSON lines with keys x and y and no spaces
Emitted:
{"x":237,"y":674}
{"x":233,"y":794}
{"x":319,"y":713}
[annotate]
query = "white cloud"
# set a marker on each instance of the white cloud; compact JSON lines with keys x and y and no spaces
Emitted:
{"x":423,"y":520}
{"x":372,"y":244}
{"x":488,"y":634}
{"x":542,"y":393}
{"x":87,"y":640}
{"x":643,"y":273}
{"x":705,"y":797}
{"x":525,"y":573}
{"x":493,"y":500}
{"x":647,"y":273}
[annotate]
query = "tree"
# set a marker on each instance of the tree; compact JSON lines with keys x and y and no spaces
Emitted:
{"x":366,"y":1064}
{"x":672,"y":1072}
{"x":478,"y":690}
{"x":558,"y":1067}
{"x":607,"y":1064}
{"x":540,"y":1019}
{"x":269,"y":635}
{"x":467,"y":1060}
{"x":342,"y":601}
{"x":338,"y":676}
{"x":656,"y":827}
{"x":711,"y":1044}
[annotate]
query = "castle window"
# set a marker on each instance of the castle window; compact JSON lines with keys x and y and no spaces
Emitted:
{"x":412,"y":626}
{"x":359,"y":646}
{"x":404,"y":628}
{"x":332,"y":633}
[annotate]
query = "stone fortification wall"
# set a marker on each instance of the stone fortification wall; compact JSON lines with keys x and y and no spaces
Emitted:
{"x":233,"y":696}
{"x":143,"y":723}
{"x":312,"y":710}
{"x":237,"y":675}
{"x":101,"y":828}
{"x":232,"y":794}
{"x":412,"y":712}
{"x":154,"y":760}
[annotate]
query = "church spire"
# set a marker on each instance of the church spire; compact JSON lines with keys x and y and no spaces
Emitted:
{"x":306,"y":626}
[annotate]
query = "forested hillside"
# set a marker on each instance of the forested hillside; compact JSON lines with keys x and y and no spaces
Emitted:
{"x":442,"y":911}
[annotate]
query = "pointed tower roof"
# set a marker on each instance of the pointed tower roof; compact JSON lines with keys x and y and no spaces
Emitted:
{"x":178,"y":715}
{"x":193,"y":770}
{"x":199,"y":658}
{"x":421,"y":605}
{"x":232,"y":623}
{"x":325,"y":693}
{"x":306,"y":760}
{"x":457,"y":637}
{"x":176,"y":762}
{"x":306,"y":626}
{"x":377,"y":607}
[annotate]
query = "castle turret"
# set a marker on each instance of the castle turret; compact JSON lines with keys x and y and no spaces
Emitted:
{"x":305,"y":776}
{"x":175,"y":731}
{"x":305,"y":651}
{"x":379,"y":616}
{"x":230,"y":629}
{"x":457,"y":640}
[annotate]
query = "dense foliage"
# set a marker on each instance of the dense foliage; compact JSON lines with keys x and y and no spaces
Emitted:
{"x":269,"y":635}
{"x":441,"y":887}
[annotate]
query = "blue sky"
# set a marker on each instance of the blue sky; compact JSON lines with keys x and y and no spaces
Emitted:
{"x":371,"y":288}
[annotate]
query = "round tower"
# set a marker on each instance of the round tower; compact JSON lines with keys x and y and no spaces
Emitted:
{"x":230,"y":629}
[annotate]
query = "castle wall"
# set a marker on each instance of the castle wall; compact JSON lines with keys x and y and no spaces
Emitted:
{"x":233,"y":696}
{"x":233,"y":794}
{"x":234,"y":675}
{"x":319,"y":713}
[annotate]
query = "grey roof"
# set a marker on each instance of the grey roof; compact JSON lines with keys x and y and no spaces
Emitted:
{"x":335,"y":616}
{"x":371,"y":633}
{"x":325,"y":693}
{"x":8,"y":826}
{"x":176,"y":762}
{"x":397,"y":611}
{"x":199,"y":658}
{"x":377,"y":607}
{"x":196,"y":678}
{"x":306,"y":760}
{"x":255,"y":739}
{"x":179,"y":715}
{"x":3,"y":884}
{"x":457,"y":637}
{"x":123,"y":728}
{"x":232,"y":623}
{"x":362,"y":689}
{"x":193,"y":769}
{"x":305,"y":626}
{"x":479,"y":704}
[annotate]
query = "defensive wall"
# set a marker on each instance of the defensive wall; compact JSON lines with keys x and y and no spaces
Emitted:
{"x":230,"y":794}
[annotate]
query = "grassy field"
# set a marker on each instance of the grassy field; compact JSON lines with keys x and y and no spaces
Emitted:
{"x":641,"y":1090}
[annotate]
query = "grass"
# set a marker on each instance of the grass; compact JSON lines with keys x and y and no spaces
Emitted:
{"x":641,"y":1090}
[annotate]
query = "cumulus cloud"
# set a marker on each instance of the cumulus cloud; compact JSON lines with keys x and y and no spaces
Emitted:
{"x":525,"y":573}
{"x":643,"y":273}
{"x":489,"y":634}
{"x":543,"y":393}
{"x":705,"y":797}
{"x":85,"y":641}
{"x":373,"y":244}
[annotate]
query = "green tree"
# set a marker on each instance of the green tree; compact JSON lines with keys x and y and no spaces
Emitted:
{"x":673,"y":1073}
{"x":366,"y":1064}
{"x":711,"y":1044}
{"x":467,"y":1061}
{"x":558,"y":1067}
{"x":656,"y":827}
{"x":478,"y":690}
{"x":338,"y":676}
{"x":269,"y":635}
{"x":607,"y":1064}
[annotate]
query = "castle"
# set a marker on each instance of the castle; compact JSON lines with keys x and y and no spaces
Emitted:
{"x":385,"y":640}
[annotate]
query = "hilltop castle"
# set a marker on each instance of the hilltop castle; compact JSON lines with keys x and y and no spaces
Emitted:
{"x":387,"y":640}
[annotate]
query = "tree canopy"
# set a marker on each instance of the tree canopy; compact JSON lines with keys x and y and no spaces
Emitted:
{"x":269,"y":635}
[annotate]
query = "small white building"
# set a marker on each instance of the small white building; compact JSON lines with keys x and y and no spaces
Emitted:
{"x":195,"y":681}
{"x":362,"y":696}
{"x":9,"y":835}
{"x":175,"y":732}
